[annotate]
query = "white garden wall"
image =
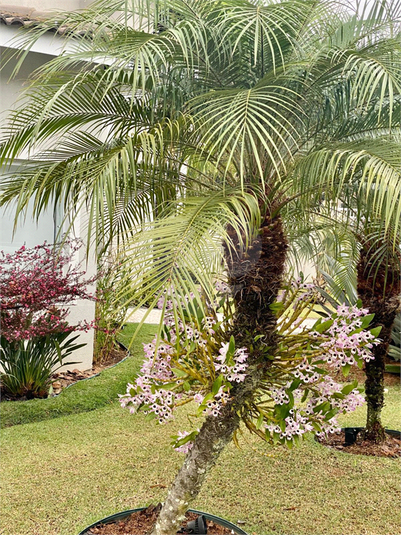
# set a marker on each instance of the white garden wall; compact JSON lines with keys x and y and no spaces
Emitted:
{"x":30,"y":232}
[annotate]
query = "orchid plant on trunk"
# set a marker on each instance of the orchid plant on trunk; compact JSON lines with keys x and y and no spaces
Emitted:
{"x":196,"y":133}
{"x":280,"y":397}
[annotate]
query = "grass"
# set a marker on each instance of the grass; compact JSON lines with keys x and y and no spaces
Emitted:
{"x":60,"y":475}
{"x":144,"y":336}
{"x":85,"y":395}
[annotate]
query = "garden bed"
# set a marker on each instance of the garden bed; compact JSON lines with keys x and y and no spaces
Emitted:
{"x":142,"y":522}
{"x":390,"y":448}
{"x":62,"y":380}
{"x":101,"y":390}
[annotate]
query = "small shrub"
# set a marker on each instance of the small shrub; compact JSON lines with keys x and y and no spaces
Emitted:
{"x":111,"y":308}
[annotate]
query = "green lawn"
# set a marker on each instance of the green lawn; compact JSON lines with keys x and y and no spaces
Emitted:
{"x":62,"y":474}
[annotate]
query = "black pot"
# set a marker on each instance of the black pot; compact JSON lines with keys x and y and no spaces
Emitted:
{"x":351,"y":434}
{"x":120,"y":516}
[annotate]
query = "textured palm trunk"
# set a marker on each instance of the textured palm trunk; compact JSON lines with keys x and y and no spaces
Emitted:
{"x":255,"y":277}
{"x":379,"y":290}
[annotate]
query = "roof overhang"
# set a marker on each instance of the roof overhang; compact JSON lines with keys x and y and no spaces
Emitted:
{"x":51,"y":44}
{"x":14,"y":18}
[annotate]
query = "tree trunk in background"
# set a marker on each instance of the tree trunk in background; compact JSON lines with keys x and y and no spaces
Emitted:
{"x":255,"y":277}
{"x":379,"y":289}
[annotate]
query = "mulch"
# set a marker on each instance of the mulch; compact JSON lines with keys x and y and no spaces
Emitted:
{"x":391,"y":448}
{"x":390,"y":379}
{"x":141,"y":523}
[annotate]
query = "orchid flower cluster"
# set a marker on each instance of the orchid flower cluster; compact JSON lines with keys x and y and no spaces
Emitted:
{"x":309,"y":399}
{"x":348,"y":341}
{"x":193,"y":361}
{"x":160,"y":385}
{"x":291,"y":419}
{"x":151,"y":386}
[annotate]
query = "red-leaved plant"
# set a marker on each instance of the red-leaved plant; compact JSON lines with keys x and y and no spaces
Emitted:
{"x":38,"y":285}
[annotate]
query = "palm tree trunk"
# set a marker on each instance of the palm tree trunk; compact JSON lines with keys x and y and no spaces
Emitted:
{"x":379,"y":289}
{"x":255,"y":277}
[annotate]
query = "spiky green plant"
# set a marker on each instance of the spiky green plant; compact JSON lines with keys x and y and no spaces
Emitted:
{"x":28,"y":365}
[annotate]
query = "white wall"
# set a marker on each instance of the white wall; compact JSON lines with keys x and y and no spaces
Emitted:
{"x":32,"y":233}
{"x":28,"y":232}
{"x":83,"y":309}
{"x":11,"y":90}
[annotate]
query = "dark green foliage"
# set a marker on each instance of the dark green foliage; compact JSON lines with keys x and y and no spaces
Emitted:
{"x":395,"y":344}
{"x":28,"y":364}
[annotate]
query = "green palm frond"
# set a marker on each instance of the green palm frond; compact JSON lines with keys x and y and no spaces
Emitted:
{"x":269,"y":29}
{"x":183,"y":249}
{"x":111,"y":179}
{"x":167,"y":121}
{"x":64,"y":105}
{"x":338,"y":257}
{"x":376,"y":74}
{"x":372,"y":166}
{"x":257,"y":125}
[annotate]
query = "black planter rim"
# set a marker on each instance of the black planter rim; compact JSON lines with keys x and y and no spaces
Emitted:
{"x":392,"y":432}
{"x":124,"y":514}
{"x":356,"y":430}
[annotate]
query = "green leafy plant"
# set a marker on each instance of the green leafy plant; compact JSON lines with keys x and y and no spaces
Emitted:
{"x":28,"y":364}
{"x":111,"y":308}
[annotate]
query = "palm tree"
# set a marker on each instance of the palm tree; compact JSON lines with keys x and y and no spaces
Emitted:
{"x":378,"y":286}
{"x":186,"y":124}
{"x":366,"y":243}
